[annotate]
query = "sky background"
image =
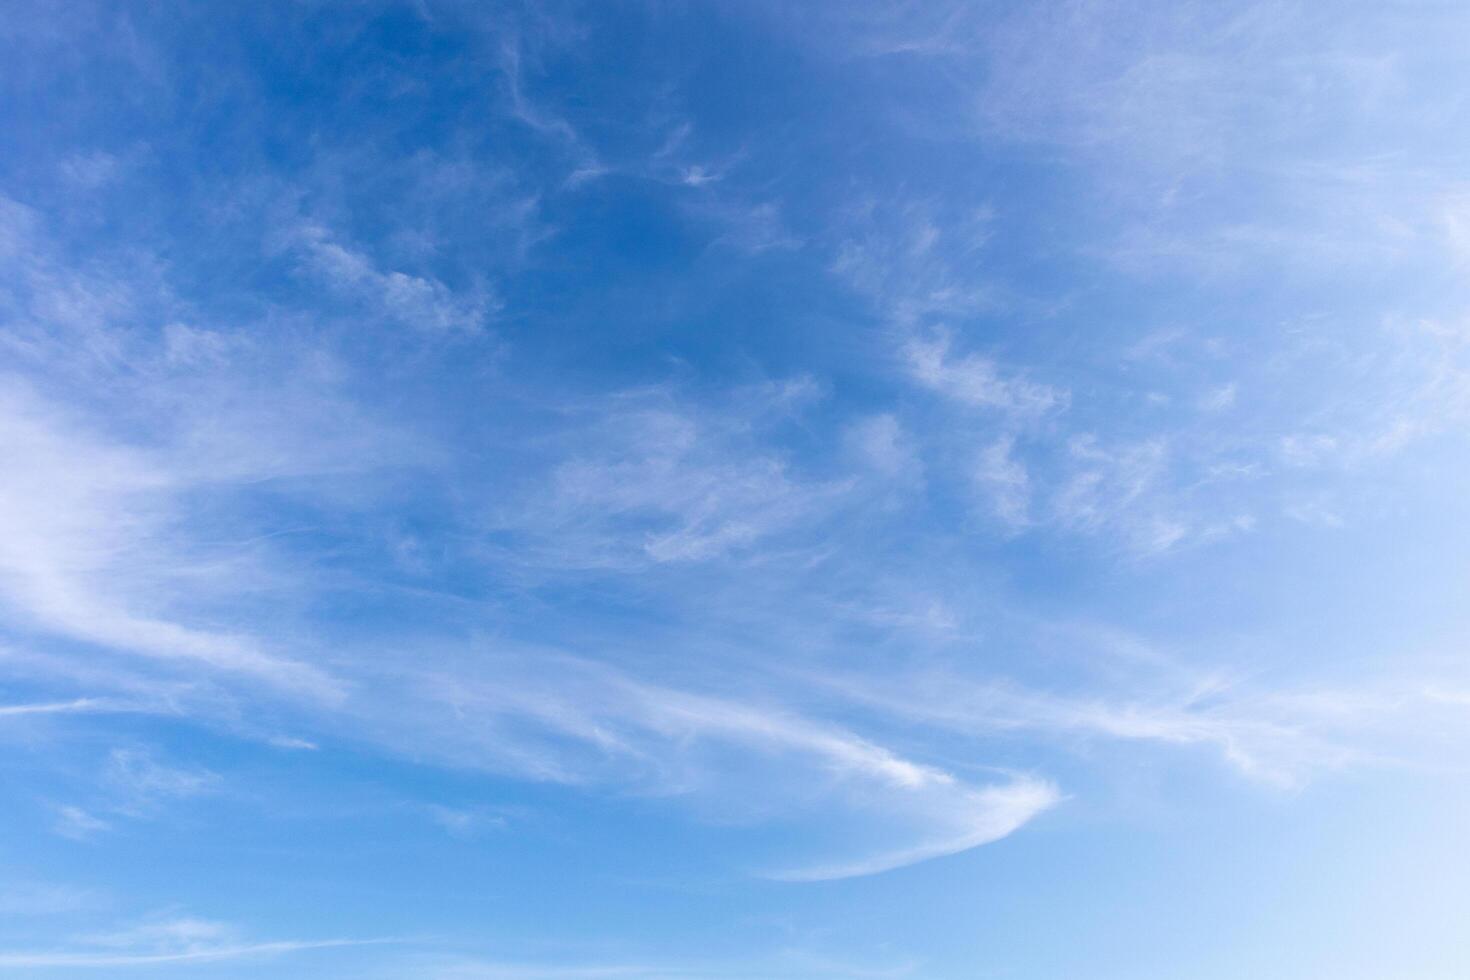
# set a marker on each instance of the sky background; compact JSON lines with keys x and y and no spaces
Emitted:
{"x":762,"y":490}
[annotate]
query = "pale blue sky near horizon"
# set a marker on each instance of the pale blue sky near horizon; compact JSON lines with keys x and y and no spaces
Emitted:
{"x":762,"y":491}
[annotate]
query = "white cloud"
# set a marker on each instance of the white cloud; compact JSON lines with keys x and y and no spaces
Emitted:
{"x":90,"y":170}
{"x":85,"y":959}
{"x":1004,"y":480}
{"x":292,"y":743}
{"x":788,"y":964}
{"x":78,"y":824}
{"x":514,"y":52}
{"x":748,"y":226}
{"x":75,"y":511}
{"x":977,"y":381}
{"x":1126,"y":491}
{"x":125,"y":447}
{"x":918,"y":265}
{"x":162,"y":952}
{"x":142,"y":782}
{"x":1218,"y":399}
{"x":31,"y":898}
{"x":1280,"y":737}
{"x":883,"y":444}
{"x":657,"y":481}
{"x":159,"y":942}
{"x":466,"y":822}
{"x":544,"y":715}
{"x":74,"y":706}
{"x":981,"y":817}
{"x":420,"y":302}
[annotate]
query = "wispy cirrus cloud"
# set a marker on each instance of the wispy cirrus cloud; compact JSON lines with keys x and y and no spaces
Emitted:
{"x":654,"y":479}
{"x":40,"y":898}
{"x":74,"y":706}
{"x":141,"y":782}
{"x":977,"y":817}
{"x":1278,"y":735}
{"x":883,"y":443}
{"x":77,"y":824}
{"x":976,"y":381}
{"x":418,"y":302}
{"x":95,"y":509}
{"x":550,"y":716}
{"x":163,"y":942}
{"x":787,"y":965}
{"x":68,"y":530}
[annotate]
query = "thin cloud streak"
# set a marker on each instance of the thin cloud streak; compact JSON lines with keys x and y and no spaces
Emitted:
{"x":988,"y":815}
{"x":76,"y":706}
{"x":60,"y":959}
{"x":566,"y":719}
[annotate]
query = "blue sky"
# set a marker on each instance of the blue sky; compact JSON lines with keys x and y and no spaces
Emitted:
{"x":759,"y":491}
